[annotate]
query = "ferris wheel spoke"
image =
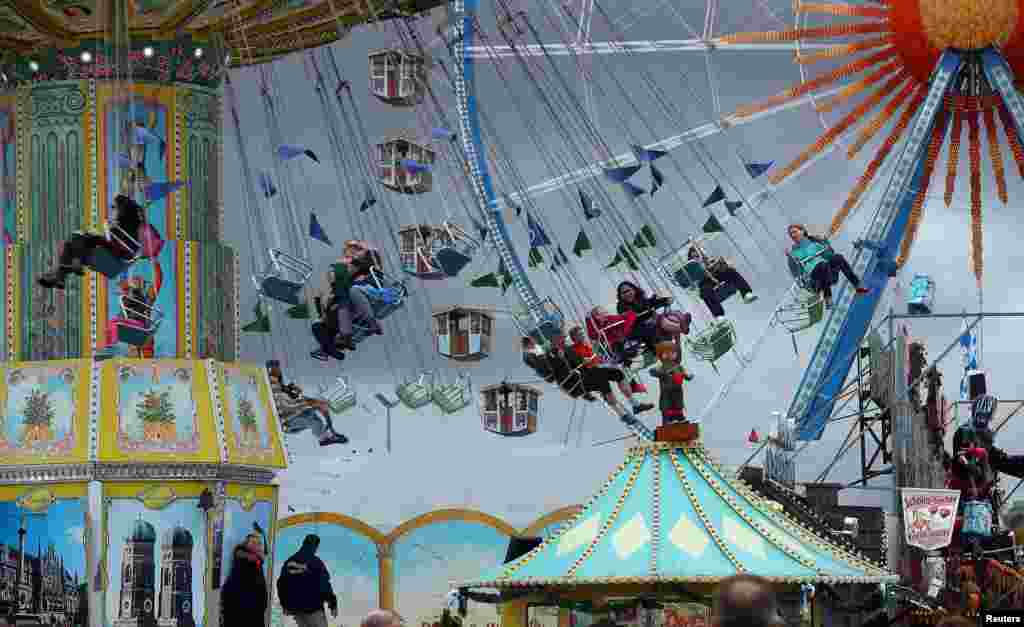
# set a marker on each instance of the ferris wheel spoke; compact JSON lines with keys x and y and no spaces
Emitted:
{"x":694,"y":134}
{"x":695,"y":44}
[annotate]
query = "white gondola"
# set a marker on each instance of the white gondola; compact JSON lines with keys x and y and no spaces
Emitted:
{"x":341,"y":396}
{"x":139,"y":321}
{"x":398,"y":77}
{"x":395,"y":175}
{"x":463,"y":333}
{"x":418,"y":245}
{"x":102,"y":260}
{"x":286,"y":278}
{"x":510,"y":409}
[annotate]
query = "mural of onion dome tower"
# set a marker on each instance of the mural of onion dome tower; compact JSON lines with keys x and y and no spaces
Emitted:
{"x":175,"y":607}
{"x":669,"y":523}
{"x":120,"y":384}
{"x":137,"y":602}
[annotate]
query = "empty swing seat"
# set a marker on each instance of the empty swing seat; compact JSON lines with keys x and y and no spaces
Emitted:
{"x":806,"y":310}
{"x":138,"y":322}
{"x":415,"y":395}
{"x":287,"y":277}
{"x":551,"y":322}
{"x":341,"y":397}
{"x":103,"y":260}
{"x":710,"y":344}
{"x":451,"y":397}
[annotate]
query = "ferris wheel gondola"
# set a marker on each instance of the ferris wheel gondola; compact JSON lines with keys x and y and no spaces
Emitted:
{"x":405,"y":163}
{"x":397,"y":77}
{"x":510,"y":409}
{"x":463,"y":333}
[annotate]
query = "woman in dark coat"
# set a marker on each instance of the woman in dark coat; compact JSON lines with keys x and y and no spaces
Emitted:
{"x":243,"y":597}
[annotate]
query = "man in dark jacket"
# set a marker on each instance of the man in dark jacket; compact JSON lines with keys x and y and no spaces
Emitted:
{"x":305,"y":585}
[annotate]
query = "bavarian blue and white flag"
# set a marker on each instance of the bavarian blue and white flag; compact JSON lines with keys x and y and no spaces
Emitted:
{"x":968,"y":356}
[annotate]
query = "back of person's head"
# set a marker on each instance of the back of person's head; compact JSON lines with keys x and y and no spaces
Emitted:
{"x":746,"y":601}
{"x":311,"y":542}
{"x":381,"y":618}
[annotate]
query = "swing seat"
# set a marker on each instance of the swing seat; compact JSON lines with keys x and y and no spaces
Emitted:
{"x":550,"y":326}
{"x":713,"y":342}
{"x":414,"y":395}
{"x":689,"y":275}
{"x":138,"y":321}
{"x":287,"y":276}
{"x":451,"y":261}
{"x":807,"y":310}
{"x":450,"y":397}
{"x":281,"y":290}
{"x":104,"y":261}
{"x":341,"y":397}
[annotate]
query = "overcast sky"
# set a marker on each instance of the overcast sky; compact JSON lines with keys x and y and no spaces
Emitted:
{"x":450,"y":460}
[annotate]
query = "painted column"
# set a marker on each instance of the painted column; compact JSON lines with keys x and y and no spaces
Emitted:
{"x":386,"y":573}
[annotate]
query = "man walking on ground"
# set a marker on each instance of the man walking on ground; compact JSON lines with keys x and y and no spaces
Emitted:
{"x":746,"y":601}
{"x":305,"y":586}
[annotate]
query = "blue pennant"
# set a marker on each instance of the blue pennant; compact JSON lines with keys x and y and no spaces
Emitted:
{"x":286,"y":152}
{"x":647,"y":155}
{"x":156,"y":191}
{"x":633,"y":190}
{"x":716,"y":196}
{"x":757,"y":169}
{"x":657,"y":179}
{"x":316,"y":231}
{"x":441,"y":133}
{"x":622,"y":174}
{"x":537,"y":235}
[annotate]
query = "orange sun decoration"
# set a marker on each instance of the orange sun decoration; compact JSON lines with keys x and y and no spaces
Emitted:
{"x":898,"y":43}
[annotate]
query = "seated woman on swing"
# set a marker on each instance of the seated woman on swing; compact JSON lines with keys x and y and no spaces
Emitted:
{"x":129,"y":218}
{"x":718,"y":270}
{"x":822,"y":265}
{"x":651,"y":326}
{"x":343,"y":299}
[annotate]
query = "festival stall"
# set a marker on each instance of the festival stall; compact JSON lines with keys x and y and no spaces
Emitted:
{"x":666,"y":527}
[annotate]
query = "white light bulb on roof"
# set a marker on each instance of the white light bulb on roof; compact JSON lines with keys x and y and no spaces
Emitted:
{"x":86,"y":57}
{"x":199,"y":52}
{"x":148,"y":51}
{"x":34,"y":66}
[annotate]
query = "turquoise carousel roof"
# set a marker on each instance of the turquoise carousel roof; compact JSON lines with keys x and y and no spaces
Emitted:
{"x":670,"y":514}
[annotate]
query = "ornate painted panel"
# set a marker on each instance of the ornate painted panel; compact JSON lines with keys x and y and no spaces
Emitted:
{"x":157,"y":554}
{"x":8,"y":166}
{"x":428,"y":558}
{"x":58,"y":145}
{"x":137,"y":148}
{"x":44,"y":531}
{"x":252,"y":432}
{"x":215,"y":298}
{"x":351,"y":559}
{"x":156,"y":411}
{"x":200,"y":205}
{"x":45,"y":412}
{"x":50,"y":324}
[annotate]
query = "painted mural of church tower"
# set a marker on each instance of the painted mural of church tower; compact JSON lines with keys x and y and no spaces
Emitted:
{"x":175,"y":609}
{"x":138,"y":585}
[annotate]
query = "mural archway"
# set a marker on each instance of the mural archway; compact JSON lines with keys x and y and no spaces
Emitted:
{"x":427,"y":552}
{"x":348,"y":547}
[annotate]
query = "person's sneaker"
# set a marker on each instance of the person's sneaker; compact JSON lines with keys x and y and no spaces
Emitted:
{"x":344,"y":342}
{"x":320,"y":355}
{"x":749,"y":297}
{"x":52,"y":281}
{"x":640,"y":408}
{"x":638,"y":388}
{"x":334,"y":438}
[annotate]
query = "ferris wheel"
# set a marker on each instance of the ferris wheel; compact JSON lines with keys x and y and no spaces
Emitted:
{"x":938,"y":67}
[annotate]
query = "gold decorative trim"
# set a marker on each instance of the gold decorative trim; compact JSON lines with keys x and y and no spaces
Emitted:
{"x":157,"y":496}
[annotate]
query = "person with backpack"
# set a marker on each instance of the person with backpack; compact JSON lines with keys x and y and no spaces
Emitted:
{"x":304,"y":586}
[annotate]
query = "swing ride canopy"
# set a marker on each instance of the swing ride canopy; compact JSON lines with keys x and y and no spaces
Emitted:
{"x":47,"y":39}
{"x":670,"y":514}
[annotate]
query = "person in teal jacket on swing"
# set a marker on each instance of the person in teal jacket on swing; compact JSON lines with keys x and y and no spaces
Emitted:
{"x":822,"y":265}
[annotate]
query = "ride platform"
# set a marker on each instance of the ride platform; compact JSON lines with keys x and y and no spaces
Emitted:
{"x":677,"y":432}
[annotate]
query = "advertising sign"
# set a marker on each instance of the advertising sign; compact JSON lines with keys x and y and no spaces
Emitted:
{"x":929,"y":517}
